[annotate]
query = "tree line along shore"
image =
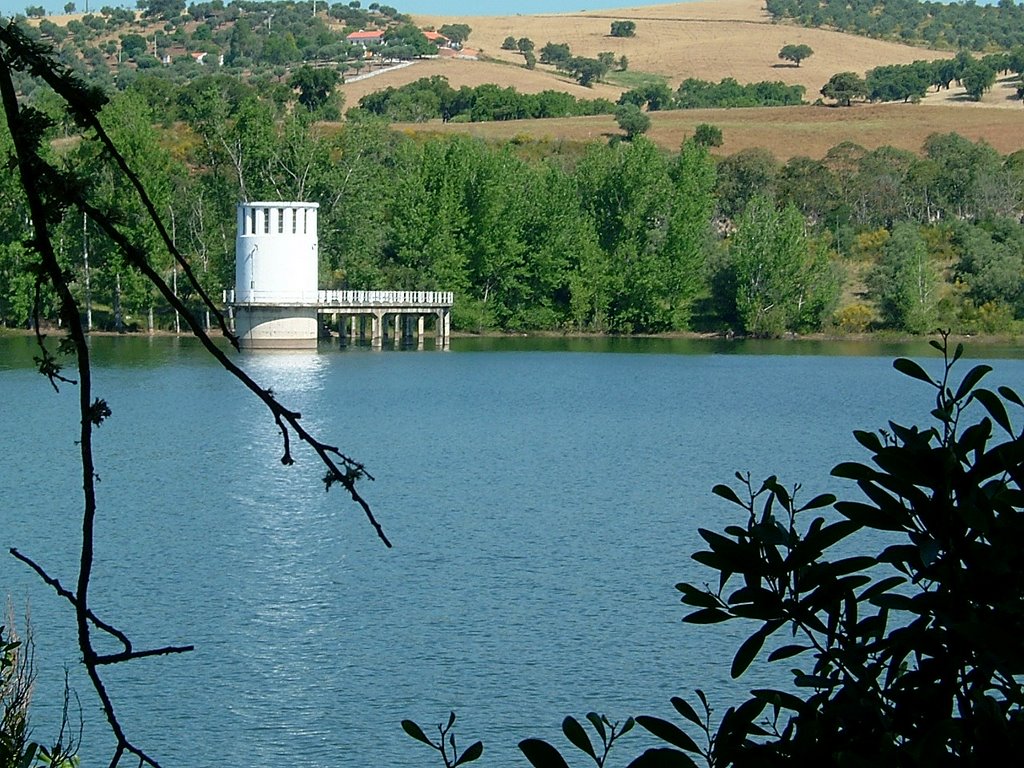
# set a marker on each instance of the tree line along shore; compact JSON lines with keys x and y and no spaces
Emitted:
{"x":613,"y":236}
{"x":616,"y":237}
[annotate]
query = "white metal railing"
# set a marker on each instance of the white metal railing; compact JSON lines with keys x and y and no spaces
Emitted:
{"x":387,"y":298}
{"x":342,"y":299}
{"x":273,"y":297}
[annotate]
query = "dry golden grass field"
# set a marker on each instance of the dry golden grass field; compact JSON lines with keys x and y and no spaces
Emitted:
{"x":706,"y":40}
{"x":712,"y":40}
{"x":785,"y":131}
{"x":473,"y":73}
{"x":709,"y":40}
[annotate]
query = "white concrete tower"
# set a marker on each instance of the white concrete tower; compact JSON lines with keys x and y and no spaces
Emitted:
{"x":276,"y":251}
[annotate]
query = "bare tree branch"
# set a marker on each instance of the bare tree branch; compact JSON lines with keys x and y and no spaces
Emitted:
{"x":49,"y":192}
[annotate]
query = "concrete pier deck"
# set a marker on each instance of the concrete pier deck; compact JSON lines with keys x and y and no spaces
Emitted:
{"x":350,"y":310}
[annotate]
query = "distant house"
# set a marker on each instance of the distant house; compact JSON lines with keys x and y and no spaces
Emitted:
{"x":437,"y":39}
{"x":176,"y":52}
{"x":366,"y":37}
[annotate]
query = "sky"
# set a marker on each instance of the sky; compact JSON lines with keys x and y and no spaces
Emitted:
{"x":435,"y":7}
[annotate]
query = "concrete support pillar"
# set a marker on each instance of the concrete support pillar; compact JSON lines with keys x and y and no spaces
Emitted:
{"x":398,"y":328}
{"x":362,"y":328}
{"x":419,"y":331}
{"x":377,"y":339}
{"x":342,"y":322}
{"x":277,"y":327}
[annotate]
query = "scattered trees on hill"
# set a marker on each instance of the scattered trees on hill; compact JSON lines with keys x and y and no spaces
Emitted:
{"x":457,"y":33}
{"x":899,"y":82}
{"x":953,"y":26}
{"x":508,"y":44}
{"x":795,"y":53}
{"x":623,"y":29}
{"x":162,"y":9}
{"x":700,"y":94}
{"x":555,"y":53}
{"x":978,"y":78}
{"x":905,"y":82}
{"x":632,"y":121}
{"x":707,"y":135}
{"x":240,"y":32}
{"x":433,"y":97}
{"x":586,"y":71}
{"x":845,"y":87}
{"x":407,"y":41}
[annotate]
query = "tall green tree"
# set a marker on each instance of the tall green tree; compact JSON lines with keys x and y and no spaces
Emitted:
{"x":18,"y":267}
{"x":317,"y":91}
{"x":885,"y":190}
{"x":627,"y":191}
{"x":784,"y":279}
{"x":689,"y":235}
{"x":428,"y":226}
{"x":587,"y":71}
{"x":991,"y":262}
{"x":130,"y":297}
{"x":811,"y":186}
{"x":905,"y":283}
{"x":498,"y":257}
{"x":708,"y":135}
{"x":963,"y":170}
{"x":367,"y":167}
{"x":743,"y":176}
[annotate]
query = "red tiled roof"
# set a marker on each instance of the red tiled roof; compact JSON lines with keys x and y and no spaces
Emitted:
{"x":364,"y":35}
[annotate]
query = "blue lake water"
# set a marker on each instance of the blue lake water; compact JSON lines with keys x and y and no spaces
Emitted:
{"x":543,"y":497}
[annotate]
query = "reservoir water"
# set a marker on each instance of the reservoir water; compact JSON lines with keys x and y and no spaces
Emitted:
{"x":543,"y":497}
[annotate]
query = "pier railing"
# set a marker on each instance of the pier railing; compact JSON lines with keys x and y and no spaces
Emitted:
{"x":346,"y":299}
{"x":387,"y":298}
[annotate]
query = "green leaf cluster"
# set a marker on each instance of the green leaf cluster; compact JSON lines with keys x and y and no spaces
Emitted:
{"x":903,"y":656}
